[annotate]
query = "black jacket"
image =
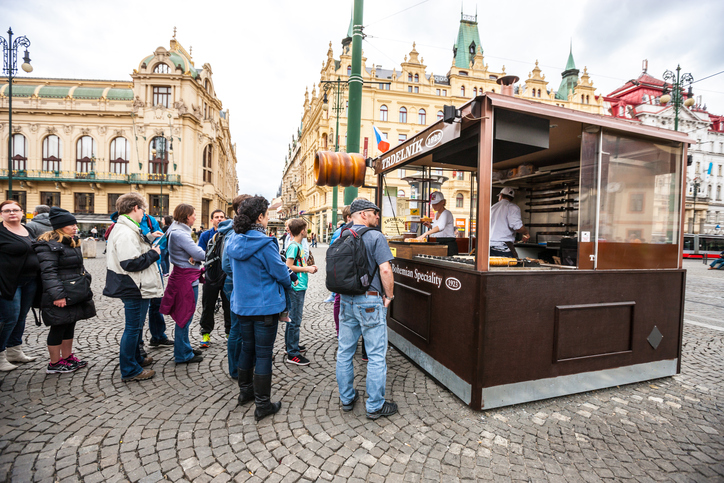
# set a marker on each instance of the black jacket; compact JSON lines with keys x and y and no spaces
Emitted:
{"x":58,"y":262}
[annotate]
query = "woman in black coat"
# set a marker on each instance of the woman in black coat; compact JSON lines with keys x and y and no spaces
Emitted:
{"x":61,"y":264}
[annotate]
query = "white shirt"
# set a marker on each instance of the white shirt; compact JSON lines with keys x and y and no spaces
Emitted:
{"x":504,"y":221}
{"x":444,"y":221}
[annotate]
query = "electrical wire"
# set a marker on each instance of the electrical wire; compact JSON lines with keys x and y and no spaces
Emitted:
{"x":707,"y":77}
{"x":397,"y":13}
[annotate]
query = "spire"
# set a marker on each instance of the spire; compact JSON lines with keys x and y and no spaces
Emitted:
{"x":468,"y":41}
{"x":347,"y":41}
{"x":569,"y":76}
{"x":570,"y":65}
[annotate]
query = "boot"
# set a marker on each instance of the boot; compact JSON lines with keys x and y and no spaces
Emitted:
{"x":246,"y":386}
{"x":5,"y":365}
{"x":16,"y":354}
{"x":262,"y":397}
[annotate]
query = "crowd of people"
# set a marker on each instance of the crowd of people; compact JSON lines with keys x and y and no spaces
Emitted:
{"x":260,"y":280}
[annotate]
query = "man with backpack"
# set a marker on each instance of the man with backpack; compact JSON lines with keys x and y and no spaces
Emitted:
{"x":358,"y":268}
{"x":212,"y":242}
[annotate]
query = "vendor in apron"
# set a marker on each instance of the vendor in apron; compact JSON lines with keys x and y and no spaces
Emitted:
{"x":443,"y":226}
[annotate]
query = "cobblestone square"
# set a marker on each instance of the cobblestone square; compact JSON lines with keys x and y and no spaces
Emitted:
{"x":185,"y":425}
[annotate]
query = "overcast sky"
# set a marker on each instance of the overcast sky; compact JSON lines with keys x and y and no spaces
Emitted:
{"x":264,"y":54}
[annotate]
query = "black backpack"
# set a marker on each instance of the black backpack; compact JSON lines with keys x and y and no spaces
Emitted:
{"x":214,"y":275}
{"x":347,"y":266}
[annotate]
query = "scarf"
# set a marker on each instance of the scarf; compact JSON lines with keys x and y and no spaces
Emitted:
{"x":258,"y":227}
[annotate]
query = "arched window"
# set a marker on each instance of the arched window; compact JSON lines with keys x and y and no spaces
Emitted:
{"x":462,"y":91}
{"x":588,"y":100}
{"x":459,"y":200}
{"x":472,"y":48}
{"x":718,"y":192}
{"x":383,"y":113}
{"x":161,"y":69}
{"x":20,"y":152}
{"x":324,"y":140}
{"x":85,"y":154}
{"x":538,"y":92}
{"x":158,"y":156}
{"x":119,"y":155}
{"x":417,"y":78}
{"x":708,"y":191}
{"x":349,"y":70}
{"x":409,"y":77}
{"x":475,"y":91}
{"x":403,"y":114}
{"x":440,"y":115}
{"x":346,"y":108}
{"x":422,"y":117}
{"x":52,"y":150}
{"x":208,"y":153}
{"x":400,"y":193}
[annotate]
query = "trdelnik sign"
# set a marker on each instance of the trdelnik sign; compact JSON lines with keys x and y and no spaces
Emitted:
{"x":437,"y":134}
{"x":430,"y":277}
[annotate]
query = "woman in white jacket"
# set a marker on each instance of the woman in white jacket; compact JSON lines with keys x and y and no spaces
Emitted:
{"x":134,"y":277}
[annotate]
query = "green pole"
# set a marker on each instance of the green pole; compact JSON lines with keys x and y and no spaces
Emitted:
{"x":335,"y":189}
{"x":355,"y":93}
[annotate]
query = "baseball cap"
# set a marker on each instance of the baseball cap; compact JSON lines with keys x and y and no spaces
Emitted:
{"x":436,"y":197}
{"x":362,"y":205}
{"x":508,"y":191}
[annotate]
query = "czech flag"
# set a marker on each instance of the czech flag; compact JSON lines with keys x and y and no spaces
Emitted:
{"x":382,"y":143}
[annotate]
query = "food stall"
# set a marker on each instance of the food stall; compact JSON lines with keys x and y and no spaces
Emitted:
{"x":595,"y":298}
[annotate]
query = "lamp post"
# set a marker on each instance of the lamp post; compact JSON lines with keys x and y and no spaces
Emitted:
{"x":697,"y":183}
{"x":337,"y":86}
{"x":677,"y":84}
{"x":10,"y":67}
{"x":165,"y":157}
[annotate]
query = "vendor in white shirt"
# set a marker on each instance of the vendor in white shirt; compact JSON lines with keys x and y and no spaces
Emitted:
{"x":505,"y":222}
{"x":443,"y":226}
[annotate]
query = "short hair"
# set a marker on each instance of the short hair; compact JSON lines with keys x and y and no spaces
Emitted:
{"x":237,"y":201}
{"x":215,"y":212}
{"x":126,"y":203}
{"x":167,"y":220}
{"x":346,"y":212}
{"x":296,"y":226}
{"x":42,"y":209}
{"x":182,"y":212}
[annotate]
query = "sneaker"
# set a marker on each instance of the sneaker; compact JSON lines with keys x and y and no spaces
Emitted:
{"x":156,"y":343}
{"x":227,"y":336}
{"x":147,"y":361}
{"x":388,"y":409}
{"x":205,"y":339}
{"x":350,"y":405}
{"x":144,"y":375}
{"x":197,"y":352}
{"x":195,"y":358}
{"x":365,"y":358}
{"x":299,"y":360}
{"x":60,"y":367}
{"x":329,"y":299}
{"x":302,"y":350}
{"x":74,"y":361}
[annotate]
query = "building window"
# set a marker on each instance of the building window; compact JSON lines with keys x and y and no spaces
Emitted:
{"x":417,"y":90}
{"x":719,"y":169}
{"x":417,"y":78}
{"x":422,"y":117}
{"x":207,"y":85}
{"x":462,"y":91}
{"x":208,"y":152}
{"x":158,"y":156}
{"x":409,"y":88}
{"x":83,"y":203}
{"x":636,"y":202}
{"x":205,"y":211}
{"x":50,"y":198}
{"x":19,"y":196}
{"x":112,"y":198}
{"x":85,"y":154}
{"x":459,"y":200}
{"x":161,"y":96}
{"x":403,"y":114}
{"x":400,"y":193}
{"x":409,"y":77}
{"x":119,"y":155}
{"x":349,"y":70}
{"x":718,"y":192}
{"x":444,"y":92}
{"x":697,"y":167}
{"x":20,"y":152}
{"x":538,"y":92}
{"x":158,"y":205}
{"x":383,"y":113}
{"x":161,"y":69}
{"x":440,"y":115}
{"x":459,"y":175}
{"x":401,"y":138}
{"x":346,"y":108}
{"x":437,"y":91}
{"x":52,"y":149}
{"x":475,"y":91}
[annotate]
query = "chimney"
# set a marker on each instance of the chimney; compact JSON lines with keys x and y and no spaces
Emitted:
{"x":506,"y":83}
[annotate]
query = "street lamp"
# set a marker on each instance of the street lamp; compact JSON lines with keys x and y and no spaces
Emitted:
{"x":338,"y":87}
{"x":677,"y":84}
{"x":697,"y":183}
{"x":10,"y":67}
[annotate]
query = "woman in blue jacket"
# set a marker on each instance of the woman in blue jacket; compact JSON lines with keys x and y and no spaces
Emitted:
{"x":257,"y":268}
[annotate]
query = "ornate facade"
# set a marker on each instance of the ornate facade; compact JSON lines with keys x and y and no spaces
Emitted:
{"x":401,"y":102}
{"x":80,"y":144}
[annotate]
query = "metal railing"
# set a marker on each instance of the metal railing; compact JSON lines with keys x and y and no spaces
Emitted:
{"x":95,"y":176}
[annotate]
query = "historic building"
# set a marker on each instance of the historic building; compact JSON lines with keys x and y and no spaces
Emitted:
{"x":400,"y":102}
{"x":639,"y":101}
{"x":80,"y":144}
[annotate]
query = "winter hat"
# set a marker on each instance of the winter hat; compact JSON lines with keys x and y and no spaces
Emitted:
{"x":60,"y":218}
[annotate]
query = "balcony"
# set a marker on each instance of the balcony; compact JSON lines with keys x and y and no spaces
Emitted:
{"x":95,"y":176}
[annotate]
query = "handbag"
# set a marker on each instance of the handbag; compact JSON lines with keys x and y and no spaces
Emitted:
{"x":310,"y":258}
{"x":77,"y":289}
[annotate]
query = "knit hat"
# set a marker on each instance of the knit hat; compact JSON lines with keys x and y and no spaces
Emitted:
{"x":362,"y":205}
{"x":60,"y":218}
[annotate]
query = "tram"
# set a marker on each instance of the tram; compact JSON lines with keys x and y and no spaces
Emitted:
{"x":699,"y":246}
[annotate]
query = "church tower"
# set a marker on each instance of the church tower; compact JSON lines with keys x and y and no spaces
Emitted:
{"x":570,"y":78}
{"x":468,"y":41}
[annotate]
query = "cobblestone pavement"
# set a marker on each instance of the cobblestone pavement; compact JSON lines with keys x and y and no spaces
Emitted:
{"x":184,"y":425}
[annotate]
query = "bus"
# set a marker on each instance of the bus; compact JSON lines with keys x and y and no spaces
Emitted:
{"x":697,"y":246}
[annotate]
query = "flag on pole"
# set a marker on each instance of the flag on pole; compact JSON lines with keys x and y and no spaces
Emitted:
{"x":708,"y":171}
{"x":382,"y":143}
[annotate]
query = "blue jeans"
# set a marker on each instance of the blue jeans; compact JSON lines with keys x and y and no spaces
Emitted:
{"x":257,"y":341}
{"x":156,"y":322}
{"x":13,"y":313}
{"x":296,"y":311}
{"x":182,"y":350}
{"x":233,"y":345}
{"x":130,"y":356}
{"x":718,"y":263}
{"x":363,"y":315}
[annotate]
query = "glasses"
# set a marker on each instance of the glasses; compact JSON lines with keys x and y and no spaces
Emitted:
{"x":4,"y":212}
{"x":376,"y":212}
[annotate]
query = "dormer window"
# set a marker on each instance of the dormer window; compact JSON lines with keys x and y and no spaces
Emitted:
{"x":472,"y":48}
{"x":417,"y":78}
{"x":161,"y":69}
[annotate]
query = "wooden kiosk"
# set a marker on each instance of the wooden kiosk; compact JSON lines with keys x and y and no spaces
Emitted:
{"x":611,"y":191}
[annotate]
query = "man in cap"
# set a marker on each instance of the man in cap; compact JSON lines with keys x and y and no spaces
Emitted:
{"x":505,"y":222}
{"x":443,"y":226}
{"x":366,"y":314}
